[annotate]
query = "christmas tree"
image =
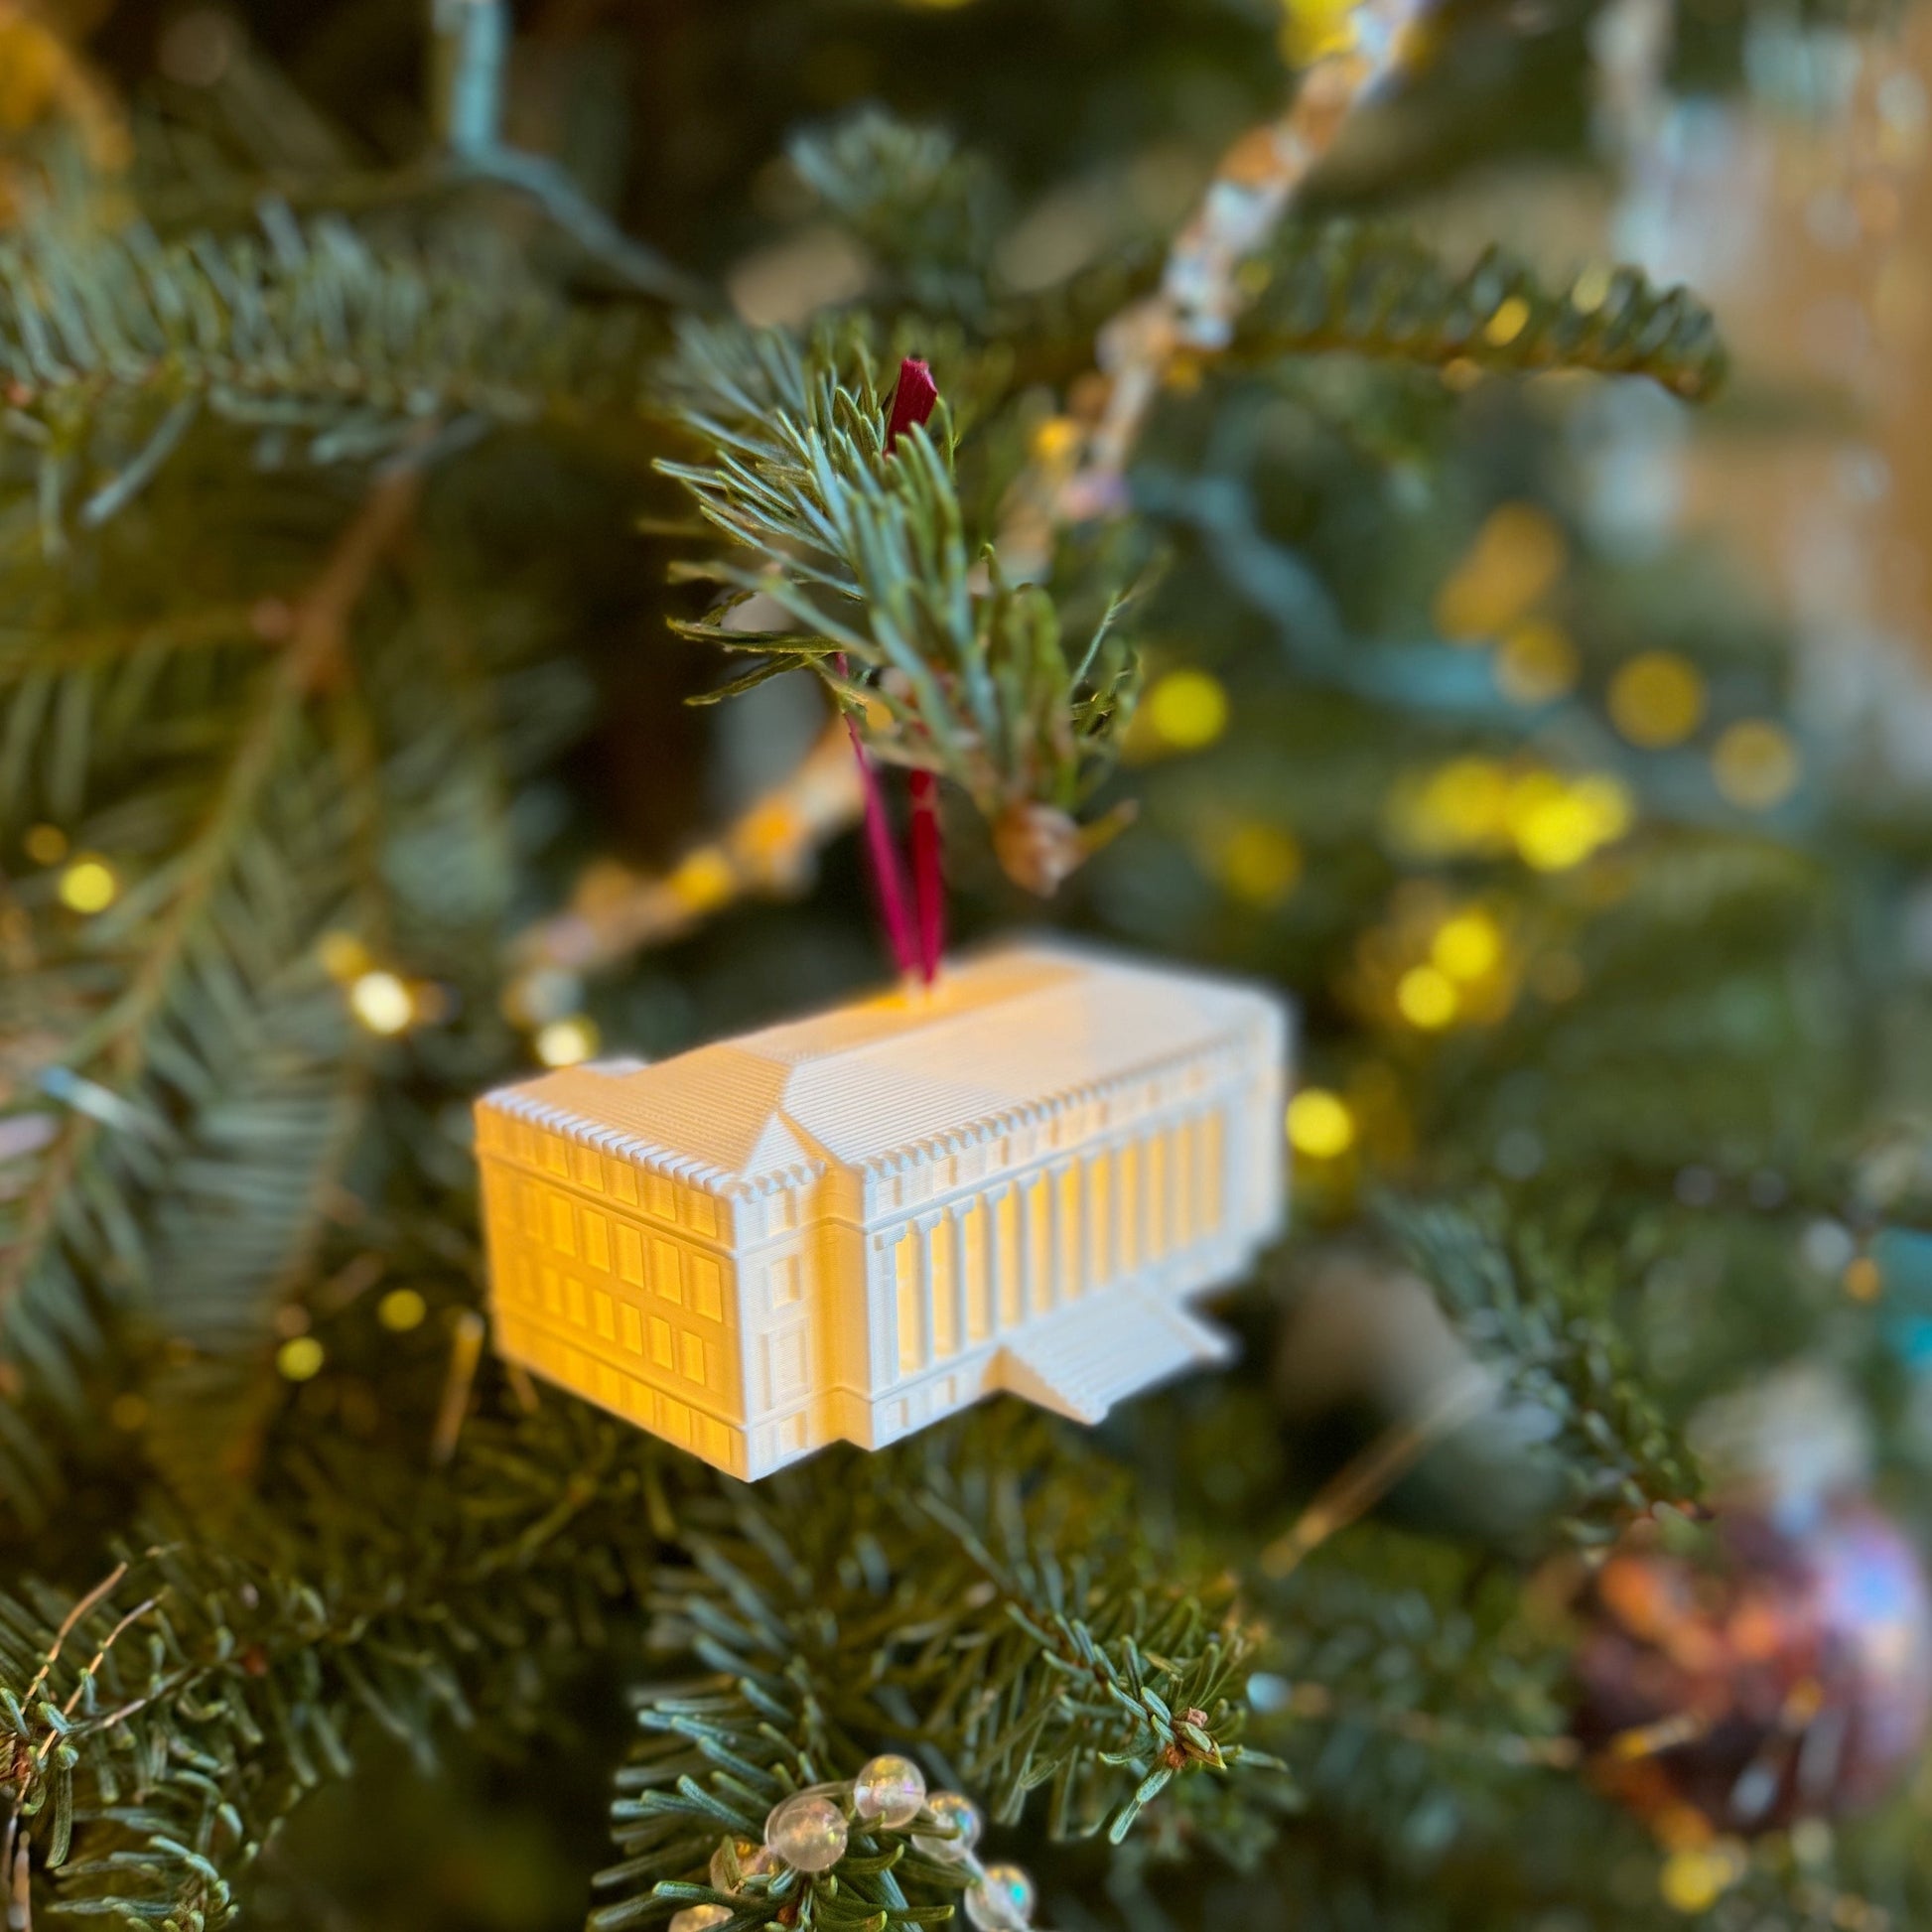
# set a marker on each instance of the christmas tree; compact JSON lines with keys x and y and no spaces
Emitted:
{"x":519,"y":521}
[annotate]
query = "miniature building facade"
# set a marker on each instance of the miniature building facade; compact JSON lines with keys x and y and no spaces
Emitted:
{"x":852,"y":1225}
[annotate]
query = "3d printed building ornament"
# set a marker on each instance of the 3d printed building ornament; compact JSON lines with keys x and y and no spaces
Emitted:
{"x":849,"y":1227}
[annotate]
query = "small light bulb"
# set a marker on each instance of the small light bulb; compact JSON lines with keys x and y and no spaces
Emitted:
{"x":1188,"y":710}
{"x":1319,"y":1124}
{"x":382,"y":1003}
{"x":401,"y":1309}
{"x":567,"y":1042}
{"x":89,"y":885}
{"x":1426,"y":998}
{"x":299,"y":1360}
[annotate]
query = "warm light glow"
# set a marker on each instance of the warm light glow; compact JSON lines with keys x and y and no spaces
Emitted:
{"x":401,"y":1309}
{"x":1510,"y":319}
{"x":1187,"y":710}
{"x":382,"y":1003}
{"x":89,"y":885}
{"x":1467,"y":946}
{"x":299,"y":1360}
{"x":1863,"y":1279}
{"x":1056,"y":440}
{"x":1536,"y":663}
{"x":1517,"y":556}
{"x":1319,"y":1124}
{"x":1426,"y":998}
{"x":1260,"y":862}
{"x":567,"y":1042}
{"x":1755,"y":765}
{"x":46,"y":845}
{"x":1461,"y":807}
{"x":344,"y":956}
{"x":1657,"y":699}
{"x":704,"y":881}
{"x":1557,"y":825}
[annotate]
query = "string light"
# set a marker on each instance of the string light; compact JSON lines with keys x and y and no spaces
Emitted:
{"x":1657,"y":699}
{"x":1320,"y":1124}
{"x":401,"y":1309}
{"x":1863,"y":1279}
{"x":382,"y":1003}
{"x":1517,"y":556}
{"x":1187,"y":710}
{"x":1261,"y":864}
{"x":1536,"y":663}
{"x":1426,"y":998}
{"x":89,"y":885}
{"x":300,"y":1361}
{"x":704,"y":881}
{"x":46,"y":845}
{"x":1755,"y":765}
{"x":1468,"y":947}
{"x":1557,"y":825}
{"x":344,"y":958}
{"x":567,"y":1042}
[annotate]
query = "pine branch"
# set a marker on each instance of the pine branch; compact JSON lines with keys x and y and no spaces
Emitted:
{"x":110,"y":348}
{"x":1016,"y":1635}
{"x":1550,"y":1323}
{"x":1377,"y":292}
{"x":910,"y":625}
{"x":218,"y":1038}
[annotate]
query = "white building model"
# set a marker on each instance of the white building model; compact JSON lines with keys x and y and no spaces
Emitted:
{"x":855,"y":1224}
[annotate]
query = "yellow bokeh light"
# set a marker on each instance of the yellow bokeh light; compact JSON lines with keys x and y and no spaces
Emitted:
{"x":46,"y":845}
{"x":1536,"y":663}
{"x":1319,"y":1124}
{"x":1517,"y":556}
{"x":1693,"y":1882}
{"x":1463,"y":806}
{"x":401,"y":1309}
{"x":1187,"y":710}
{"x":567,"y":1042}
{"x":1755,"y":765}
{"x":704,"y":881}
{"x":1425,"y":996}
{"x":89,"y":885}
{"x":1260,"y":862}
{"x":1657,"y":699}
{"x":300,"y":1361}
{"x":344,"y":956}
{"x":1556,"y":825}
{"x":382,"y":1003}
{"x":1056,"y":440}
{"x":1467,"y":946}
{"x":1510,"y":319}
{"x":1315,"y":28}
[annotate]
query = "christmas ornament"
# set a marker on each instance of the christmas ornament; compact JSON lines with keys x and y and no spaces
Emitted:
{"x":1791,"y":1678}
{"x":849,"y":1227}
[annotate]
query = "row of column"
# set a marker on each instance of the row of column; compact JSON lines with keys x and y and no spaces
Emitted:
{"x":1012,"y":1253}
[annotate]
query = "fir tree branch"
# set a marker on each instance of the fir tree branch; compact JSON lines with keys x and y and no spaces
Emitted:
{"x":1369,"y":290}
